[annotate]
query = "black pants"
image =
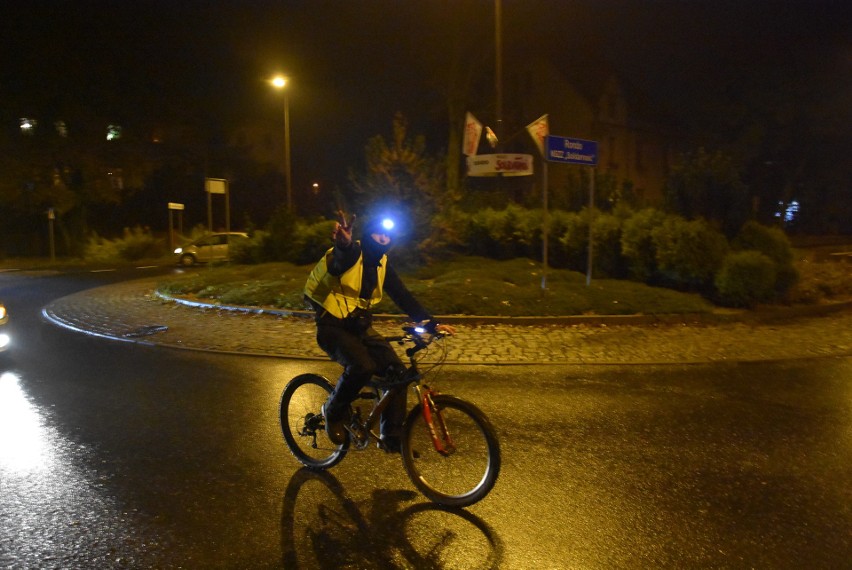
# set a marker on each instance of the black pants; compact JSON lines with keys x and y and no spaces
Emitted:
{"x":362,"y":352}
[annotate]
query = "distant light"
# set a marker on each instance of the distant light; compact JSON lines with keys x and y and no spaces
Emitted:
{"x":788,"y":212}
{"x":113,"y":132}
{"x":279,"y":81}
{"x":28,"y":125}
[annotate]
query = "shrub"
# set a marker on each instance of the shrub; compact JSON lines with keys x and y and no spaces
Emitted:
{"x":100,"y":249}
{"x":573,"y":240}
{"x":248,"y":251}
{"x":135,"y":244}
{"x":746,"y":278}
{"x":637,"y":244}
{"x":310,"y":241}
{"x":688,"y":253}
{"x":606,"y":253}
{"x":773,"y":243}
{"x":503,"y":234}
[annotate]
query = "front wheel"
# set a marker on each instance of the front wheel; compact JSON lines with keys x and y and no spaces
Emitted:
{"x":303,"y":425}
{"x":466,"y":467}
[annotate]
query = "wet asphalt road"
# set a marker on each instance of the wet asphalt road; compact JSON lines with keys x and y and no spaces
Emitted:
{"x":117,"y":455}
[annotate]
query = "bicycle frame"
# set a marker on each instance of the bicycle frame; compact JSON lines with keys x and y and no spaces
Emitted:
{"x":438,"y":432}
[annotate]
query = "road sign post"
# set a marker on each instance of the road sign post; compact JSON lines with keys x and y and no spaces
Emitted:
{"x":217,"y":186}
{"x":577,"y":151}
{"x":174,"y":206}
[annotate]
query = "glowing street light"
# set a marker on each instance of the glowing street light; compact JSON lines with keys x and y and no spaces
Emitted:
{"x":280,"y":82}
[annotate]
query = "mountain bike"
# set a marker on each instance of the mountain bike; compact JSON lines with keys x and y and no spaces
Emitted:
{"x":449,"y":449}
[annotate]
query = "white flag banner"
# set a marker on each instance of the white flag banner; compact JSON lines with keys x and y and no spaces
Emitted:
{"x":500,"y":164}
{"x":539,"y":130}
{"x":472,"y":134}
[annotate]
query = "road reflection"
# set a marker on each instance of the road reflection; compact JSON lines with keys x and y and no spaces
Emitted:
{"x":323,"y":528}
{"x":23,"y":445}
{"x":52,"y":506}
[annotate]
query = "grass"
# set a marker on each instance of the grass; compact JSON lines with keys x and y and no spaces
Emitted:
{"x":464,"y":286}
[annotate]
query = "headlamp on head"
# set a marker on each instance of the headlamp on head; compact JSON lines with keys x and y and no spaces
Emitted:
{"x":387,"y":224}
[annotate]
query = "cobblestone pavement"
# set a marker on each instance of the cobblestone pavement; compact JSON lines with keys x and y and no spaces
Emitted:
{"x":132,"y":311}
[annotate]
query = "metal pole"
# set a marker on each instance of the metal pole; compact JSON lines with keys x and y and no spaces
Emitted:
{"x":545,"y":229}
{"x":498,"y":71}
{"x":50,"y":218}
{"x":591,"y":223}
{"x":227,"y":208}
{"x":287,"y":152}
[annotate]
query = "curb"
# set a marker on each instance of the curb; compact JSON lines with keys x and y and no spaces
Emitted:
{"x":757,"y":316}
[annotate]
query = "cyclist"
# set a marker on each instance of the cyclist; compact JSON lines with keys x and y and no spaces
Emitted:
{"x":342,"y":288}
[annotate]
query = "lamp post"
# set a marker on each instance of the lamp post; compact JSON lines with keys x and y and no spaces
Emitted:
{"x":280,"y":82}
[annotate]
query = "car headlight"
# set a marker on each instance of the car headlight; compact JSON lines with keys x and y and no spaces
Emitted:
{"x":4,"y":340}
{"x":178,"y":250}
{"x":2,"y":312}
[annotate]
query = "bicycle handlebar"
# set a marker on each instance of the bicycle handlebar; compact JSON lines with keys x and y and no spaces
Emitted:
{"x":419,"y":336}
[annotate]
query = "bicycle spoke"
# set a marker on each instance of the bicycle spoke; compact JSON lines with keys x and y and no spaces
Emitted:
{"x":302,"y":424}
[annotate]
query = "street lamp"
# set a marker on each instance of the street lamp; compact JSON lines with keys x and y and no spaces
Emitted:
{"x":280,"y":82}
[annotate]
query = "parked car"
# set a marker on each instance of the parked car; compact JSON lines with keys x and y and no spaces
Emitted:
{"x":5,"y":339}
{"x":211,"y":247}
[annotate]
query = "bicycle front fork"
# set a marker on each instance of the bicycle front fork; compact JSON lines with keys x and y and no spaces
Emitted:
{"x":434,"y":418}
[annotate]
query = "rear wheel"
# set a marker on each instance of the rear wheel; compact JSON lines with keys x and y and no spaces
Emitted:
{"x":467,"y":467}
{"x":302,"y":423}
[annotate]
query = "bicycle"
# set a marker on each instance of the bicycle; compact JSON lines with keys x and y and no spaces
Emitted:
{"x":449,"y":449}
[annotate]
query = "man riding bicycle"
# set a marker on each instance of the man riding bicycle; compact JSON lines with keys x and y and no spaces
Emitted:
{"x":342,"y":288}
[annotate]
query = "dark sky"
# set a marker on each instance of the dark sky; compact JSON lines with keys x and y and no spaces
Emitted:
{"x":354,"y":63}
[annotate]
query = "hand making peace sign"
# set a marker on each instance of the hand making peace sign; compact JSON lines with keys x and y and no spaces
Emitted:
{"x":342,"y":234}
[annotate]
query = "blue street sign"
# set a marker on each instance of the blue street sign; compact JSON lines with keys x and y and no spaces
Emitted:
{"x":572,"y":151}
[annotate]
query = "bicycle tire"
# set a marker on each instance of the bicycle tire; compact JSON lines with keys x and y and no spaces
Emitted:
{"x":300,"y":402}
{"x":463,"y":477}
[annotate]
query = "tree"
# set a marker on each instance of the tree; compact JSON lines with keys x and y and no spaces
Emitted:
{"x":708,"y":185}
{"x":402,"y":178}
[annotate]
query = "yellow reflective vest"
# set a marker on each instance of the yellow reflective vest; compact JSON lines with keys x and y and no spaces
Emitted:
{"x":341,"y":294}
